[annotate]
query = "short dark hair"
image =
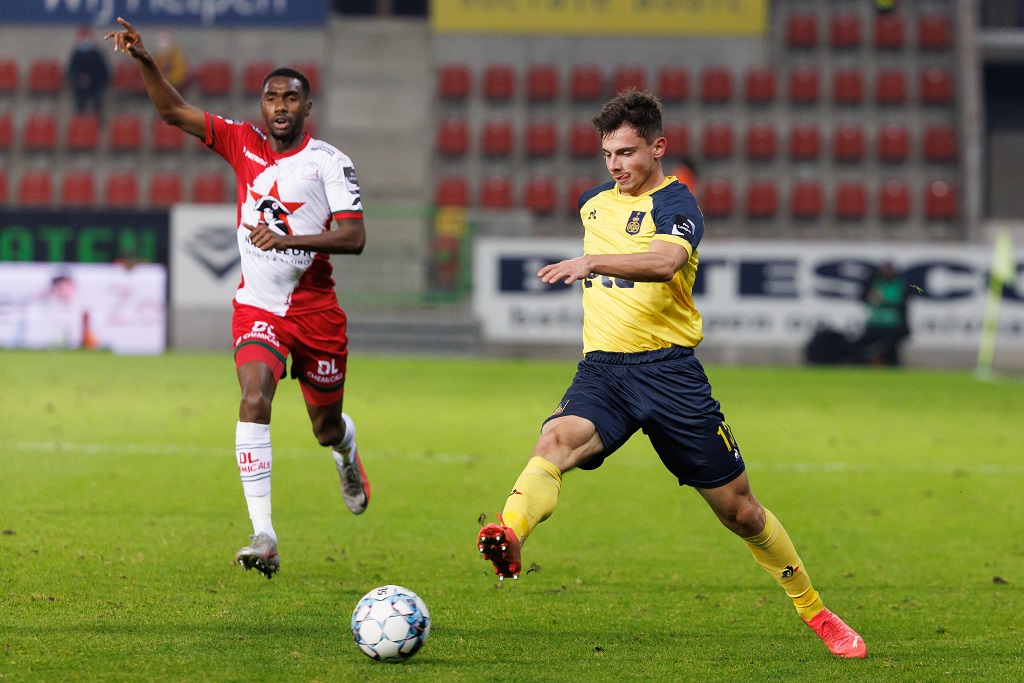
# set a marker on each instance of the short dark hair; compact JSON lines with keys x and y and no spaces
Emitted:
{"x":289,"y":72}
{"x":638,"y":108}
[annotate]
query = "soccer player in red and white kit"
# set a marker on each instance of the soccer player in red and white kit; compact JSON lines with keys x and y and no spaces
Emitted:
{"x":298,"y":201}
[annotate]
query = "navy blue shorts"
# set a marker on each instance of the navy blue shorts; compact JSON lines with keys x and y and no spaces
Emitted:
{"x":667,"y":395}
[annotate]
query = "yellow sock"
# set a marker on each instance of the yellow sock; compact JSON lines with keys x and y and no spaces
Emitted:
{"x":534,"y":497}
{"x":773,"y":550}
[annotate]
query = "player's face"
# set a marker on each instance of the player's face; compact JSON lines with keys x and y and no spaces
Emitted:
{"x":633,"y":163}
{"x":284,"y":108}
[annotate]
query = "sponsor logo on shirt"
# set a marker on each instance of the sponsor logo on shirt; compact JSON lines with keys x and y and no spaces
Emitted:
{"x":683,"y":227}
{"x":252,"y":157}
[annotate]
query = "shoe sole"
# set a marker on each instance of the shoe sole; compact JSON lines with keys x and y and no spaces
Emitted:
{"x":263,"y":566}
{"x":493,"y":548}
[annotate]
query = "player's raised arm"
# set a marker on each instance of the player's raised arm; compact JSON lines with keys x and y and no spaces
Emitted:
{"x":173,"y":109}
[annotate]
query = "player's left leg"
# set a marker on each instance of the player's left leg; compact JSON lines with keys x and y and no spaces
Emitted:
{"x":336,"y":430}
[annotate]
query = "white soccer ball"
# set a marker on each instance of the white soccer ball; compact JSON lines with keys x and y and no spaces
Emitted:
{"x":390,"y":624}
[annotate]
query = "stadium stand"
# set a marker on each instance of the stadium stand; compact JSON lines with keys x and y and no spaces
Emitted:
{"x":40,"y":133}
{"x":801,"y":30}
{"x":6,"y":131}
{"x":496,"y":138}
{"x":936,"y":86}
{"x":933,"y":32}
{"x":540,"y":139}
{"x":214,"y":78}
{"x":889,"y":31}
{"x":127,"y":79}
{"x":893,"y":143}
{"x":807,"y":200}
{"x":891,"y":86}
{"x":894,"y":200}
{"x":848,"y":86}
{"x":716,"y":198}
{"x":848,"y":143}
{"x":78,"y":189}
{"x":715,"y":85}
{"x":121,"y":190}
{"x":717,"y":140}
{"x":629,"y":76}
{"x":82,"y":133}
{"x":940,"y":144}
{"x":673,"y":84}
{"x":499,"y":82}
{"x":209,"y":188}
{"x":540,"y":195}
{"x":454,"y":82}
{"x":165,"y":189}
{"x":452,"y":137}
{"x":577,"y":186}
{"x":759,"y":85}
{"x":851,"y":200}
{"x":542,"y":83}
{"x":3,"y":187}
{"x":452,"y":191}
{"x":762,"y":200}
{"x":583,"y":140}
{"x":761,"y":142}
{"x":495,"y":192}
{"x":803,"y":85}
{"x":677,"y":137}
{"x":8,"y":76}
{"x":940,"y":203}
{"x":45,"y":76}
{"x":844,"y":31}
{"x":253,"y":74}
{"x":586,"y":83}
{"x":165,"y":138}
{"x":35,"y":188}
{"x":125,"y":133}
{"x":804,"y":142}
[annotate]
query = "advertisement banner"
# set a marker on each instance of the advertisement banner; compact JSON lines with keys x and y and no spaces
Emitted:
{"x":205,"y":266}
{"x":105,"y":306}
{"x":207,"y":13}
{"x":760,"y":293}
{"x":83,"y":236}
{"x":601,"y":17}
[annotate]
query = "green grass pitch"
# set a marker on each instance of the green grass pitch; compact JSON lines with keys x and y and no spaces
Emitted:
{"x":121,"y":511}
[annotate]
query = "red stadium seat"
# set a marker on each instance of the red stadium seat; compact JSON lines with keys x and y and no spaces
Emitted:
{"x":851,"y":200}
{"x":499,"y":82}
{"x":451,"y":191}
{"x":40,"y":134}
{"x":940,"y":144}
{"x":586,"y":83}
{"x":801,"y":30}
{"x":215,"y":77}
{"x":542,"y":83}
{"x":848,"y":86}
{"x":890,"y":86}
{"x":576,"y":187}
{"x":715,"y":85}
{"x":35,"y":188}
{"x":936,"y":86}
{"x":759,"y":85}
{"x":209,"y":188}
{"x":803,"y":85}
{"x":452,"y":137}
{"x":453,"y":82}
{"x":716,"y":200}
{"x":584,"y":142}
{"x":894,"y":200}
{"x":127,"y":78}
{"x":125,"y":133}
{"x":673,"y":84}
{"x":78,"y":188}
{"x":940,"y":201}
{"x":3,"y":187}
{"x":844,"y":30}
{"x":848,"y":143}
{"x":717,"y":140}
{"x":677,"y":137}
{"x":806,"y":200}
{"x":889,"y":31}
{"x":629,"y":76}
{"x":496,"y":138}
{"x":83,"y":133}
{"x":121,"y":190}
{"x":804,"y":142}
{"x":541,"y":139}
{"x":6,"y":131}
{"x":761,"y":142}
{"x":933,"y":32}
{"x":45,"y":76}
{"x":540,"y":195}
{"x":495,"y":193}
{"x":893,"y":143}
{"x":167,"y":138}
{"x":762,"y":200}
{"x":311,"y":70}
{"x":253,"y":74}
{"x":8,"y":76}
{"x":165,"y":189}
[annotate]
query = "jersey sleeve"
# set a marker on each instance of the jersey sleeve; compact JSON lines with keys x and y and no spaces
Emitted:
{"x":223,"y":137}
{"x":342,"y":188}
{"x":677,"y":219}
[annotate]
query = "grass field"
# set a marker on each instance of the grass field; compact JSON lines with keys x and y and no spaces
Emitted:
{"x":121,"y":510}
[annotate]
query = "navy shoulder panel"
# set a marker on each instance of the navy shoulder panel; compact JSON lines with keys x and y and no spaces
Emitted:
{"x":675,"y":212}
{"x":587,"y":195}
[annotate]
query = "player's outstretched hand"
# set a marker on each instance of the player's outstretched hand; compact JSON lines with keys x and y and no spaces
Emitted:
{"x":263,"y":237}
{"x":127,"y":40}
{"x":566,"y":271}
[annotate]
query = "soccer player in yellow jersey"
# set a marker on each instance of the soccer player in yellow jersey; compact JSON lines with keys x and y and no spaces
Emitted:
{"x":639,"y":370}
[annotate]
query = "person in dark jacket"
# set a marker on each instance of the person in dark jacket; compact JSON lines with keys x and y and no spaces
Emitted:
{"x":87,"y":73}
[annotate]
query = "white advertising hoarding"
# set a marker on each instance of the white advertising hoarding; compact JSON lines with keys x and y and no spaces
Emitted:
{"x":205,"y":266}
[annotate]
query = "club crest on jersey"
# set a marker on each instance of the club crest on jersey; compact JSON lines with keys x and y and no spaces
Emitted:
{"x":274,"y":211}
{"x":635,"y":219}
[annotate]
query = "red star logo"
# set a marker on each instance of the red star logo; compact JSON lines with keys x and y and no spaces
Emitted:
{"x":273,"y":210}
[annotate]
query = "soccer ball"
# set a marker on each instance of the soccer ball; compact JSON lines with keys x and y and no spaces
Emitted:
{"x":390,"y":624}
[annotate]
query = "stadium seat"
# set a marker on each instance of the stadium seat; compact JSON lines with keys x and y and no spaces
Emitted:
{"x":540,"y":195}
{"x":629,"y":76}
{"x":83,"y":133}
{"x":451,"y":191}
{"x":45,"y":76}
{"x":761,"y":142}
{"x":844,"y":30}
{"x":125,"y":133}
{"x":888,"y":31}
{"x":6,"y":131}
{"x":253,"y":74}
{"x":933,"y":31}
{"x":78,"y":188}
{"x":940,"y":144}
{"x":453,"y":82}
{"x":542,"y":83}
{"x":801,"y":30}
{"x":803,"y":85}
{"x":715,"y":85}
{"x":848,"y":143}
{"x":577,"y":186}
{"x":35,"y":188}
{"x":890,"y":86}
{"x":495,"y":193}
{"x":3,"y":187}
{"x":806,"y":201}
{"x":209,"y":188}
{"x":214,"y":77}
{"x":167,"y":138}
{"x":677,"y":137}
{"x":894,"y":200}
{"x":673,"y":84}
{"x":848,"y":86}
{"x":940,"y":201}
{"x":452,"y":137}
{"x":851,"y":200}
{"x":584,"y":141}
{"x":717,"y":140}
{"x":804,"y":142}
{"x":496,"y":138}
{"x":499,"y":82}
{"x":8,"y":76}
{"x":762,"y":199}
{"x":311,"y":70}
{"x":716,"y":198}
{"x":40,"y":133}
{"x":759,"y":85}
{"x":127,"y":78}
{"x":936,"y":86}
{"x":541,"y":139}
{"x":121,"y":190}
{"x":586,"y":83}
{"x":165,"y":189}
{"x":893,"y":143}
